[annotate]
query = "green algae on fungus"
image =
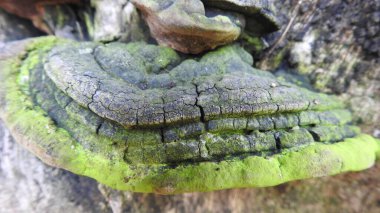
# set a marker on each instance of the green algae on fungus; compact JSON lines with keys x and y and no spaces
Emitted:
{"x":172,"y":125}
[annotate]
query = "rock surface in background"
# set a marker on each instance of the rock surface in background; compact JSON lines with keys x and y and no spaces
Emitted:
{"x":28,"y":185}
{"x":117,"y":20}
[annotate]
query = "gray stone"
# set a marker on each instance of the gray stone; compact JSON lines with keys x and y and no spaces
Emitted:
{"x":28,"y":185}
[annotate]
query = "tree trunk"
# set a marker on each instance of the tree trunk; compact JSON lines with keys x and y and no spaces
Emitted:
{"x":333,"y":44}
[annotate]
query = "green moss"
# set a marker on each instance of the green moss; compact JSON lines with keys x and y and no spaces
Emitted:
{"x":88,"y":20}
{"x":223,"y":55}
{"x":378,"y":149}
{"x":273,"y":62}
{"x":304,"y":69}
{"x":153,"y":57}
{"x":61,"y":17}
{"x":254,"y":43}
{"x":165,"y":57}
{"x":312,"y":161}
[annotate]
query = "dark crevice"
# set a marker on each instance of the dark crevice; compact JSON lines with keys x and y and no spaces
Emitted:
{"x":162,"y":135}
{"x":201,"y":111}
{"x":200,"y":149}
{"x":92,"y":97}
{"x":137,"y":117}
{"x":98,"y":128}
{"x":220,"y":158}
{"x":163,"y":109}
{"x":67,"y":104}
{"x":315,"y":136}
{"x":308,"y":105}
{"x":248,"y":132}
{"x":278,"y":141}
{"x":202,"y":118}
{"x":114,"y":39}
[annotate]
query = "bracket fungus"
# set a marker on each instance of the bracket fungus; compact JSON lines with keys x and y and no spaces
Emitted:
{"x":140,"y":117}
{"x":259,"y":14}
{"x":194,"y":26}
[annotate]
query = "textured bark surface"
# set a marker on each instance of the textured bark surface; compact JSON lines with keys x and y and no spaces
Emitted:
{"x":348,"y":32}
{"x":336,"y":45}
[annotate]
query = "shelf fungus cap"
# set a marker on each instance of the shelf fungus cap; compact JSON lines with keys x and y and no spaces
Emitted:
{"x":260,"y":14}
{"x":187,"y":26}
{"x":138,"y":117}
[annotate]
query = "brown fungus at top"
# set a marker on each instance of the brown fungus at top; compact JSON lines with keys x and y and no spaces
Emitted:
{"x":196,"y":26}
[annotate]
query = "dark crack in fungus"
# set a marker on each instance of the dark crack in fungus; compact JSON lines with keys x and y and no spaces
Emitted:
{"x":139,"y":117}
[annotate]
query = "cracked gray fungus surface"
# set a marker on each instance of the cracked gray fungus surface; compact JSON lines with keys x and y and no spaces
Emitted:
{"x":159,"y":107}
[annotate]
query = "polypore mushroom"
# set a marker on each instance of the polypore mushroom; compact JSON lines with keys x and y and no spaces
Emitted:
{"x":190,"y":27}
{"x":138,"y":117}
{"x":259,"y":14}
{"x":187,"y":27}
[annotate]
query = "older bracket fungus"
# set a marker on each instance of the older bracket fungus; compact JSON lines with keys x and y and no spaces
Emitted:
{"x":190,"y":27}
{"x":187,"y":27}
{"x":259,"y":14}
{"x":139,"y":117}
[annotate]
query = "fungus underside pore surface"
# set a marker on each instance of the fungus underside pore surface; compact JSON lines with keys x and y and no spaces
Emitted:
{"x":172,"y":124}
